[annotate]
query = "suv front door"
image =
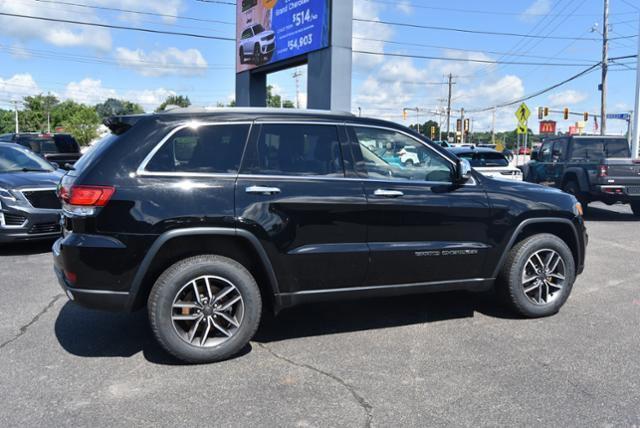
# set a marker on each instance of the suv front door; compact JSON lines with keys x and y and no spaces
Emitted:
{"x":292,"y":193}
{"x":421,"y":227}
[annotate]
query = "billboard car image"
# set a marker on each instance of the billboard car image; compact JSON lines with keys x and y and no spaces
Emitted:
{"x":270,"y":31}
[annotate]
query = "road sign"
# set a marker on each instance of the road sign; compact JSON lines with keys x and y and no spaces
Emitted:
{"x":548,"y":127}
{"x":522,"y":128}
{"x":619,"y":116}
{"x":523,"y":114}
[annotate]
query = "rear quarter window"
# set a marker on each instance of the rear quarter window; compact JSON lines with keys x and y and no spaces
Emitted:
{"x":66,"y":144}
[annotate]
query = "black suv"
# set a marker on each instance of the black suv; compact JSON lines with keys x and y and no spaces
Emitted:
{"x":62,"y":149}
{"x":208,"y":217}
{"x":592,"y":168}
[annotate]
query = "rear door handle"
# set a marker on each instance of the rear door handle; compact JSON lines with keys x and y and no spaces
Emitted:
{"x":388,"y":193}
{"x":262,"y":190}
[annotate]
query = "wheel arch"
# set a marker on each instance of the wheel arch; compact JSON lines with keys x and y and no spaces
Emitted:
{"x":560,"y":227}
{"x":236,"y":244}
{"x":578,"y":175}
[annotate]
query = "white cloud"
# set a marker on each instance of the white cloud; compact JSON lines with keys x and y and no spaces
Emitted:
{"x":58,"y":34}
{"x":367,"y":35}
{"x":405,"y":7}
{"x":17,"y":87}
{"x":171,"y":61}
{"x":91,"y":91}
{"x":536,"y":9}
{"x":567,"y":98}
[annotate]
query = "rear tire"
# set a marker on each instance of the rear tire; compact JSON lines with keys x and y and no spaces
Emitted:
{"x":199,"y":328}
{"x":635,"y":207}
{"x":573,"y":188}
{"x":538,"y":276}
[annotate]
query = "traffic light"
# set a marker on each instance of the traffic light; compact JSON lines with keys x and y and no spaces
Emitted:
{"x":459,"y":125}
{"x":586,"y":117}
{"x":540,"y":113}
{"x":466,"y":125}
{"x":546,"y":111}
{"x":404,"y":114}
{"x":566,"y":113}
{"x":433,"y":132}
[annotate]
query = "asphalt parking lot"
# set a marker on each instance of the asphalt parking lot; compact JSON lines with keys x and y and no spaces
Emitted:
{"x":452,"y":359}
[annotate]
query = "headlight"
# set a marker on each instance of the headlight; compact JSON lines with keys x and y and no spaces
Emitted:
{"x":578,"y":210}
{"x":6,"y":194}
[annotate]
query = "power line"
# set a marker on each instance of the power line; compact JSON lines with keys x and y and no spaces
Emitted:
{"x":475,"y":60}
{"x":136,"y":12}
{"x":489,"y":33}
{"x":118,"y":27}
{"x":538,"y":93}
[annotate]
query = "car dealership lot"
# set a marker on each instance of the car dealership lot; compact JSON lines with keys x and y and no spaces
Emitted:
{"x":454,"y":359}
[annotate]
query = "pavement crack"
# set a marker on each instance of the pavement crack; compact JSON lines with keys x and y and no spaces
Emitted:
{"x":34,"y":320}
{"x":360,"y":400}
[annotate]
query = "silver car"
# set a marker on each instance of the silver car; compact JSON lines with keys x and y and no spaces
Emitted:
{"x":256,"y":45}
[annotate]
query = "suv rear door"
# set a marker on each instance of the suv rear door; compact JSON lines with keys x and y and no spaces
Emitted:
{"x":421,"y":227}
{"x":294,"y":195}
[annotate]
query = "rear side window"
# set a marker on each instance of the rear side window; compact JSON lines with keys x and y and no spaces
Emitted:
{"x":206,"y":149}
{"x":66,"y":144}
{"x":600,"y":148}
{"x":298,"y":150}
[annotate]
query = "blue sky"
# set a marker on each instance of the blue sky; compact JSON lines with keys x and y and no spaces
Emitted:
{"x":91,"y":64}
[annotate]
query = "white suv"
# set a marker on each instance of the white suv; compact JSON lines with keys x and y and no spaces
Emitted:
{"x":256,"y":45}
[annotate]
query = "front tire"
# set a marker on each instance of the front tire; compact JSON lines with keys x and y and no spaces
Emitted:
{"x":241,"y":55}
{"x":538,"y":276}
{"x":257,"y":56}
{"x":205,"y":309}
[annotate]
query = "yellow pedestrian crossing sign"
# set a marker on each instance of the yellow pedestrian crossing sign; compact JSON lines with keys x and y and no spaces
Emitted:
{"x":523,"y":114}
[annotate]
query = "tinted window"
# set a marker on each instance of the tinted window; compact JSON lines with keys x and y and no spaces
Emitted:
{"x":66,"y":144}
{"x":207,"y":149}
{"x":545,"y":152}
{"x":559,"y":149}
{"x":246,"y":34}
{"x":258,"y":29}
{"x":306,"y":150}
{"x":597,"y":148}
{"x":390,"y":155}
{"x":483,"y":159}
{"x":14,"y":159}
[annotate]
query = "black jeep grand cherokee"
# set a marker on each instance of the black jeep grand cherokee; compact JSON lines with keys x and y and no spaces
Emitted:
{"x":207,"y":217}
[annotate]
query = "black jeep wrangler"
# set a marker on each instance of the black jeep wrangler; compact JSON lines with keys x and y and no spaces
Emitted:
{"x":591,"y":168}
{"x":207,"y":218}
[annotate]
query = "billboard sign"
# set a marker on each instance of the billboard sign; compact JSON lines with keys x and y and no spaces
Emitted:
{"x":270,"y":31}
{"x":548,"y":127}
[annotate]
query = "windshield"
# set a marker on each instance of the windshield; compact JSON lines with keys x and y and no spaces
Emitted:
{"x":481,"y":159}
{"x":14,"y":159}
{"x":258,"y":29}
{"x":596,"y":148}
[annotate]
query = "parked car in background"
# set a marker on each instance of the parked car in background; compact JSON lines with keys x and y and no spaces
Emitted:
{"x":256,"y":45}
{"x":524,"y":151}
{"x":62,"y":149}
{"x":591,"y":168}
{"x":29,"y":206}
{"x":218,"y":214}
{"x":489,"y":162}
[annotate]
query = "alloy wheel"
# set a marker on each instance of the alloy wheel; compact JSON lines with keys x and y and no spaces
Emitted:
{"x":544,"y":277}
{"x":207,"y":311}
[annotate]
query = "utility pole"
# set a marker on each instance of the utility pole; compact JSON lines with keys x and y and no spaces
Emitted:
{"x":359,"y":111}
{"x":605,"y":69}
{"x":636,"y":115}
{"x":296,"y":76}
{"x":449,"y":106}
{"x":493,"y":127}
{"x":15,"y":104}
{"x":418,"y":118}
{"x":462,"y":125}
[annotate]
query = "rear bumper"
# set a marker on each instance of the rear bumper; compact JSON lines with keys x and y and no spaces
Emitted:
{"x":107,"y":300}
{"x":616,"y":193}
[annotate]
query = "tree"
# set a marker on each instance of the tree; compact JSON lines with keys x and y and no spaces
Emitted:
{"x":37,"y":110}
{"x":83,"y":125}
{"x":174,"y":100}
{"x":276,"y":100}
{"x":114,"y":107}
{"x":425,"y":129}
{"x":7,"y":121}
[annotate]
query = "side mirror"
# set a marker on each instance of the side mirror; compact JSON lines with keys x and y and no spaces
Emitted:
{"x":463,"y":171}
{"x":534,"y":155}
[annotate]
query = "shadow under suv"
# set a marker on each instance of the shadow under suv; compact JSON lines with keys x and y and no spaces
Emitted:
{"x":209,"y":217}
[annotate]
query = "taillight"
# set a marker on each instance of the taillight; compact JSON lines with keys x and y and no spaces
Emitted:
{"x":603,"y":171}
{"x":82,"y":200}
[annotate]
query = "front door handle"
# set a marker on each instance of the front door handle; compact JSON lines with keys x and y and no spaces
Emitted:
{"x":262,"y":190}
{"x":388,"y":193}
